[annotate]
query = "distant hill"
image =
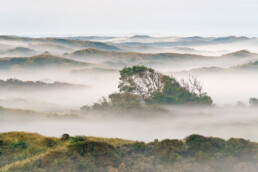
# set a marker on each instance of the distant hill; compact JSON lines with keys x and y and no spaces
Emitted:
{"x":184,"y":41}
{"x":241,"y":54}
{"x":49,"y":46}
{"x":63,"y":42}
{"x":140,"y":37}
{"x":95,"y":70}
{"x":83,"y":44}
{"x":94,"y":53}
{"x":43,"y":60}
{"x":15,"y":84}
{"x":230,"y":39}
{"x":248,"y":67}
{"x":89,"y":52}
{"x":19,"y":51}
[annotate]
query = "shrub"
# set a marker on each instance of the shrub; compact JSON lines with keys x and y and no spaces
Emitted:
{"x":102,"y":153}
{"x":65,"y":136}
{"x":139,"y":147}
{"x":238,"y":147}
{"x":49,"y":142}
{"x":253,"y":101}
{"x":19,"y":145}
{"x":196,"y":143}
{"x":169,"y":151}
{"x":78,"y":139}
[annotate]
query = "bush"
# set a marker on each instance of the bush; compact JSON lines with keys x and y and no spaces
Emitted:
{"x":238,"y":147}
{"x":102,"y":153}
{"x":78,"y":139}
{"x":169,"y":151}
{"x":19,"y":145}
{"x":1,"y":142}
{"x":139,"y":147}
{"x":253,"y":101}
{"x":196,"y":143}
{"x":65,"y":136}
{"x":49,"y":142}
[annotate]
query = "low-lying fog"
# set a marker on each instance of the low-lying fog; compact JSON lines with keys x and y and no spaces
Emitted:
{"x":178,"y":123}
{"x":57,"y":111}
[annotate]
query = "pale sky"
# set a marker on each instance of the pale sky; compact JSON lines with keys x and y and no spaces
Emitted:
{"x":164,"y":17}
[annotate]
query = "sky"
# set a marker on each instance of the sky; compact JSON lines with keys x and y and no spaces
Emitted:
{"x":127,"y":17}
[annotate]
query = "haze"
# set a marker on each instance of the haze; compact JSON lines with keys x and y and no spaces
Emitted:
{"x":114,"y":17}
{"x":45,"y":81}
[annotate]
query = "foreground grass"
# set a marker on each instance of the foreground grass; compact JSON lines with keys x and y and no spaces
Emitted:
{"x":21,"y":151}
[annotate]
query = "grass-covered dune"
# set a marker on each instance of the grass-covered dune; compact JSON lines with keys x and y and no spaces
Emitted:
{"x":39,"y":61}
{"x":19,"y":85}
{"x":21,"y":151}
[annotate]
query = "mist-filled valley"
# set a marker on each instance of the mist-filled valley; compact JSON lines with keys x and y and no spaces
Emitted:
{"x":137,"y":88}
{"x":60,"y":75}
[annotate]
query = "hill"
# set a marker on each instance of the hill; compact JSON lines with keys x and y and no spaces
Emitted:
{"x":90,"y":52}
{"x":174,"y":61}
{"x":253,"y":66}
{"x":248,"y":67}
{"x":63,"y":42}
{"x":98,"y":53}
{"x":44,"y":60}
{"x":19,"y":51}
{"x":15,"y":84}
{"x":95,"y":70}
{"x":240,"y":54}
{"x":21,"y":151}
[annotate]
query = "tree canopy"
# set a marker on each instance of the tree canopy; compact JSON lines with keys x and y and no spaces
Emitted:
{"x":155,"y":87}
{"x":141,"y":87}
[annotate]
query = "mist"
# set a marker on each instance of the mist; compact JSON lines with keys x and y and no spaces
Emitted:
{"x":179,"y":122}
{"x":53,"y":112}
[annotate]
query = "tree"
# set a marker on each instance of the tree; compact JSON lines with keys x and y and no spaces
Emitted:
{"x":193,"y":85}
{"x":155,"y":87}
{"x":141,"y":87}
{"x":141,"y":80}
{"x":253,"y":101}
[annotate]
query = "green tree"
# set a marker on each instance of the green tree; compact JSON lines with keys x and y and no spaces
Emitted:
{"x":253,"y":101}
{"x":155,"y":87}
{"x":141,"y":80}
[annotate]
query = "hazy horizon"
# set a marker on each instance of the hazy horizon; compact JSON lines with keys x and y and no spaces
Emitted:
{"x":177,"y":17}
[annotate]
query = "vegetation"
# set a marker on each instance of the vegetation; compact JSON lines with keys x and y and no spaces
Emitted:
{"x":42,"y":61}
{"x":142,"y":87}
{"x":253,"y":101}
{"x":154,"y":87}
{"x":18,"y":84}
{"x":32,"y":152}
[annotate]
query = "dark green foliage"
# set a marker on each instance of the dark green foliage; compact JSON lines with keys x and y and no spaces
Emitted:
{"x":65,"y":136}
{"x":195,"y":153}
{"x":139,"y":147}
{"x":240,"y":147}
{"x":124,"y":101}
{"x":49,"y":142}
{"x":102,"y":153}
{"x":155,"y":87}
{"x":138,"y":80}
{"x":1,"y":142}
{"x":169,"y":151}
{"x":78,"y":139}
{"x":141,"y":87}
{"x":19,"y":145}
{"x":253,"y":101}
{"x":210,"y":145}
